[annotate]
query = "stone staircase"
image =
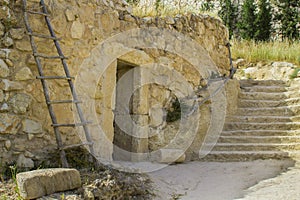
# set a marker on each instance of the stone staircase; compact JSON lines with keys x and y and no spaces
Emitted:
{"x":266,"y":124}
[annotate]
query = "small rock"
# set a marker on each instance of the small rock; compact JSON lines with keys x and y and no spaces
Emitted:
{"x":77,"y":30}
{"x":4,"y":71}
{"x":7,"y":144}
{"x":24,"y":162}
{"x":240,"y":62}
{"x":298,"y":74}
{"x":4,"y":108}
{"x":28,"y":154}
{"x":38,"y":183}
{"x":30,"y":137}
{"x":17,"y":33}
{"x":282,"y":64}
{"x":2,"y":29}
{"x":7,"y":41}
{"x":8,"y":85}
{"x":31,"y":127}
{"x":9,"y":62}
{"x":9,"y":124}
{"x":170,"y":20}
{"x":24,"y":74}
{"x":1,"y":96}
{"x":20,"y":103}
{"x":70,"y":15}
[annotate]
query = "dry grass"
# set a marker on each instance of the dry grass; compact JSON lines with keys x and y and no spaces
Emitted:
{"x":266,"y":51}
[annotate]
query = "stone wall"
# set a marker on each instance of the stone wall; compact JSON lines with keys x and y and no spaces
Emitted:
{"x":26,"y":135}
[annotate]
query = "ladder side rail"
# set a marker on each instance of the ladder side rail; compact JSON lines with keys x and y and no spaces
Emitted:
{"x":45,"y":89}
{"x":67,"y":72}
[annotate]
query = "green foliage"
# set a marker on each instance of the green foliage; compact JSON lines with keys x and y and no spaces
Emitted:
{"x":289,"y":17}
{"x":295,"y":73}
{"x":263,"y":21}
{"x":247,"y":24}
{"x":174,"y":113}
{"x":228,"y":13}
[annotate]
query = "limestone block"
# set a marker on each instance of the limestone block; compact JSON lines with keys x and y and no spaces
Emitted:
{"x":9,"y":63}
{"x":77,"y":30}
{"x":24,"y":74}
{"x":24,"y":162}
{"x":70,"y":15}
{"x":38,"y":183}
{"x":282,"y":64}
{"x":7,"y":41}
{"x":8,"y":85}
{"x":9,"y":124}
{"x":17,"y":33}
{"x":170,"y":156}
{"x":20,"y":103}
{"x":156,"y":116}
{"x":4,"y":71}
{"x":31,"y":127}
{"x":170,"y":20}
{"x":23,"y":45}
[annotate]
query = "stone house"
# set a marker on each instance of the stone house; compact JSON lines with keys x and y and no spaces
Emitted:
{"x":134,"y":76}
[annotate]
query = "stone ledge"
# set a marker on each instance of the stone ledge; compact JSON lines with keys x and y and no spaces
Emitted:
{"x":38,"y":183}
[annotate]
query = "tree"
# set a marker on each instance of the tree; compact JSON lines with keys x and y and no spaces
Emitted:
{"x":263,"y":21}
{"x":289,"y":17}
{"x":248,"y":17}
{"x":228,"y":13}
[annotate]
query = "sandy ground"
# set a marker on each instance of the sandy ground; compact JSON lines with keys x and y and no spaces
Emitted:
{"x":226,"y":181}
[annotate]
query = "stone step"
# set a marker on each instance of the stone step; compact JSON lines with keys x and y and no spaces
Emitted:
{"x":257,"y":119}
{"x":249,"y":83}
{"x":256,"y":146}
{"x":259,"y":139}
{"x":269,"y":111}
{"x":279,"y":96}
{"x":261,"y":133}
{"x":243,"y":103}
{"x":249,"y":155}
{"x":261,"y":126}
{"x":268,"y":89}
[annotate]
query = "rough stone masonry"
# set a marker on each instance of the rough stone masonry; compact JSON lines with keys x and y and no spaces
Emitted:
{"x":26,"y":135}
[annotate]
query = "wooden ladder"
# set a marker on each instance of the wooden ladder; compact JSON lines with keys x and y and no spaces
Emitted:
{"x":44,"y":79}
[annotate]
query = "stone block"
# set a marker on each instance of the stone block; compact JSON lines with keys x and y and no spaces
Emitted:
{"x":20,"y":103}
{"x":24,"y":74}
{"x":8,"y":85}
{"x":38,"y":183}
{"x":4,"y":71}
{"x":31,"y":127}
{"x":170,"y":156}
{"x":9,"y":124}
{"x":77,"y":30}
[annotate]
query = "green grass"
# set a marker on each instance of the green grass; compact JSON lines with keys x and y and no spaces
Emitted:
{"x":266,"y":51}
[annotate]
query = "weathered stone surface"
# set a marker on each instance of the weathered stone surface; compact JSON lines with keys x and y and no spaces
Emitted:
{"x":4,"y":107}
{"x":1,"y":96}
{"x":156,"y":116}
{"x":70,"y":15}
{"x":20,"y":103}
{"x":7,"y":41}
{"x":23,"y":45}
{"x":9,"y":63}
{"x":282,"y":64}
{"x":24,"y":162}
{"x":17,"y":33}
{"x":9,"y":124}
{"x":7,"y":144}
{"x":77,"y":30}
{"x":2,"y":29}
{"x":170,"y":156}
{"x":31,"y":127}
{"x":8,"y":85}
{"x":24,"y":74}
{"x":4,"y":71}
{"x":37,"y":183}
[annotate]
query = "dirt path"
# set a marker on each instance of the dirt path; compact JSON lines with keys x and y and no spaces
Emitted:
{"x":215,"y":180}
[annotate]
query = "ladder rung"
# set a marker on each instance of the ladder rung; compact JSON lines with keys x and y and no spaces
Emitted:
{"x":71,"y":125}
{"x":49,"y":57}
{"x":76,"y":145}
{"x":37,"y":13}
{"x":55,"y":77}
{"x":63,"y":101}
{"x":43,"y":36}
